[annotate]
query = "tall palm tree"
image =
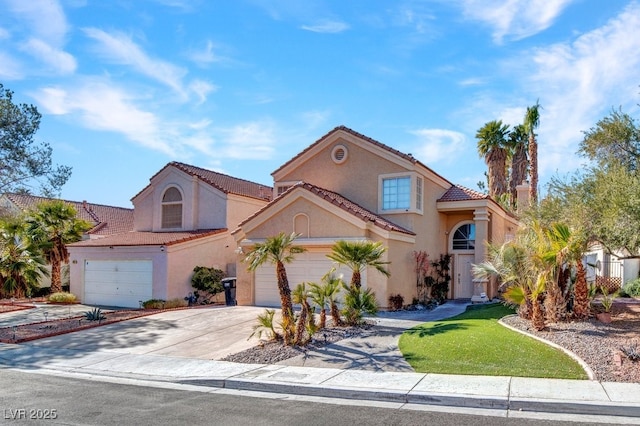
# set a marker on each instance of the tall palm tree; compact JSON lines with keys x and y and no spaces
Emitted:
{"x":519,"y":162}
{"x":51,"y":226}
{"x":358,"y":255}
{"x":492,"y":146}
{"x":20,"y":265}
{"x":531,"y":123}
{"x":278,"y":250}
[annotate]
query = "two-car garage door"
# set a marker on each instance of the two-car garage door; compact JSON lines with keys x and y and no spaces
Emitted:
{"x":118,"y":282}
{"x":307,"y":267}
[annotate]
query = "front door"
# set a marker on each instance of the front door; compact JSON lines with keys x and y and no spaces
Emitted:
{"x":463,"y":278}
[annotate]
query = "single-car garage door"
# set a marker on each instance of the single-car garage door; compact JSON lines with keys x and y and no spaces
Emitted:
{"x":307,"y":267}
{"x":117,"y":282}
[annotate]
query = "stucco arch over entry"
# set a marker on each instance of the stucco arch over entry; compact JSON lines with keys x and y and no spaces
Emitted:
{"x":462,"y":243}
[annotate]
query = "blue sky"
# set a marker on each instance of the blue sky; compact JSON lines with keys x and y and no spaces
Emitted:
{"x":241,"y":86}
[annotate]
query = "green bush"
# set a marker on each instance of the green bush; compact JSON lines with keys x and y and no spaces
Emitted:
{"x":63,"y":297}
{"x":357,"y":302}
{"x":153,"y":304}
{"x":208,"y":280}
{"x":175,"y":303}
{"x":94,"y":315}
{"x":631,"y":288}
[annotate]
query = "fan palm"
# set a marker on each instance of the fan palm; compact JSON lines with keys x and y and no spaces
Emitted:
{"x":51,"y":226}
{"x":358,"y":255}
{"x":518,"y":146}
{"x":20,"y":266}
{"x":278,"y":250}
{"x":531,"y":123}
{"x":492,"y":147}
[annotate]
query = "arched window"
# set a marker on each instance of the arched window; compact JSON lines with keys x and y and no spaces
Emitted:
{"x":172,"y":209}
{"x":464,"y":238}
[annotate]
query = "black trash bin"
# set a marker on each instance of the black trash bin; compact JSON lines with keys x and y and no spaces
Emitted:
{"x":229,"y":285}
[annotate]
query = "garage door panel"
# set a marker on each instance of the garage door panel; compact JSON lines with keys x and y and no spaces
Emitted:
{"x":309,"y":267}
{"x":118,"y":283}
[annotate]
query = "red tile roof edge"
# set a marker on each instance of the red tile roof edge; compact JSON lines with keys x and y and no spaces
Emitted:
{"x":342,"y":202}
{"x":186,"y":169}
{"x":190,"y":235}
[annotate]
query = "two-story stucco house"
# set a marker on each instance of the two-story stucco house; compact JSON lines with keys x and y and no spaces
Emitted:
{"x":182,"y":219}
{"x":348,"y":186}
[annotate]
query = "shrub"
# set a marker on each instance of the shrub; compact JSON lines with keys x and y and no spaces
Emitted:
{"x":95,"y":315}
{"x":153,"y":304}
{"x":265,"y":326}
{"x":175,"y":303}
{"x":63,"y":297}
{"x":632,"y":351}
{"x":208,"y":280}
{"x":396,"y":302}
{"x":631,"y":288}
{"x":358,"y":302}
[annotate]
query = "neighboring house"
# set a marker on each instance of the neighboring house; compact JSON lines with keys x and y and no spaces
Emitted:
{"x":610,"y":270}
{"x":181,"y":220}
{"x":104,"y":220}
{"x":347,"y":186}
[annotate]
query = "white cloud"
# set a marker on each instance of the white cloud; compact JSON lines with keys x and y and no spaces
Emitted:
{"x":515,"y":19}
{"x":205,"y":56}
{"x":253,"y":140}
{"x":4,"y":34}
{"x":101,"y":106}
{"x":327,"y":26}
{"x":10,"y":69}
{"x":438,"y":145}
{"x":121,"y":49}
{"x":202,"y":88}
{"x":45,"y":18}
{"x":578,"y":83}
{"x":61,"y":61}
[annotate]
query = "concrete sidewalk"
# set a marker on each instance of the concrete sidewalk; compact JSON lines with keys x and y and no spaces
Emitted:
{"x":478,"y":392}
{"x":162,"y":349}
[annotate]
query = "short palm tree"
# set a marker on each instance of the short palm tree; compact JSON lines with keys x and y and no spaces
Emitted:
{"x":332,"y":283}
{"x":492,"y":147}
{"x":531,"y":123}
{"x":358,"y":255}
{"x":306,"y":319}
{"x":51,"y":226}
{"x":278,"y":250}
{"x":21,"y":267}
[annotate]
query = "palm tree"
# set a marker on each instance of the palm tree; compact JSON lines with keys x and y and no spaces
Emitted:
{"x":306,"y":320}
{"x":357,"y":255}
{"x":519,"y":163}
{"x":492,"y":146}
{"x":531,"y":123}
{"x":332,"y":284}
{"x":51,"y":226}
{"x":318,"y":296}
{"x":20,"y":265}
{"x":278,"y":250}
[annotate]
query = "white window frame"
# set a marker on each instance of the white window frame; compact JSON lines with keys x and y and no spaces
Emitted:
{"x":416,"y":193}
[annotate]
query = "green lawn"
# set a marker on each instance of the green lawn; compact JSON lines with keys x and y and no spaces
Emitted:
{"x":474,"y":343}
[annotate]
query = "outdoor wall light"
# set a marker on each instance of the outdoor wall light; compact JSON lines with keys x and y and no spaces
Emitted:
{"x":162,"y":247}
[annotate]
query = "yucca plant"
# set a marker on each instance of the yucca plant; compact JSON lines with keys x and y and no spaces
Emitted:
{"x":94,"y":315}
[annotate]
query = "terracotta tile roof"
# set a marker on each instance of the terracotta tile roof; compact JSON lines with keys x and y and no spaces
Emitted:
{"x":136,"y":238}
{"x":460,"y":193}
{"x":106,"y":220}
{"x":337,"y":200}
{"x":222,"y":182}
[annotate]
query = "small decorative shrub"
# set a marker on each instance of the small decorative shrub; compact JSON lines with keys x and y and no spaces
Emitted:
{"x":94,"y":315}
{"x":631,"y":288}
{"x":154,"y":304}
{"x":175,"y":303}
{"x":208,"y":281}
{"x":265,"y":326}
{"x":357,"y":302}
{"x":62,"y":297}
{"x":396,"y":302}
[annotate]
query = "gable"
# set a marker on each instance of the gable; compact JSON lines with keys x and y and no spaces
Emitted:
{"x":324,"y":213}
{"x":355,"y":172}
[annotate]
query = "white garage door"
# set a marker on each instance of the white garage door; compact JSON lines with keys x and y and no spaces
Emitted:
{"x":307,"y":267}
{"x":117,"y":282}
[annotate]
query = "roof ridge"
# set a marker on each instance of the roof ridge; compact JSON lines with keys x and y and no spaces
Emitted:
{"x":181,"y":165}
{"x":11,"y":194}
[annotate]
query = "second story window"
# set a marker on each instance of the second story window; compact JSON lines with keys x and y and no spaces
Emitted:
{"x":396,"y":193}
{"x":172,"y":209}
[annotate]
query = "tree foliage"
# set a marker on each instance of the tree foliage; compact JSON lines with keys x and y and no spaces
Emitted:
{"x":25,"y":165}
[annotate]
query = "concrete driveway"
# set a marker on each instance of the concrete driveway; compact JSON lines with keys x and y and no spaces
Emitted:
{"x":203,"y":333}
